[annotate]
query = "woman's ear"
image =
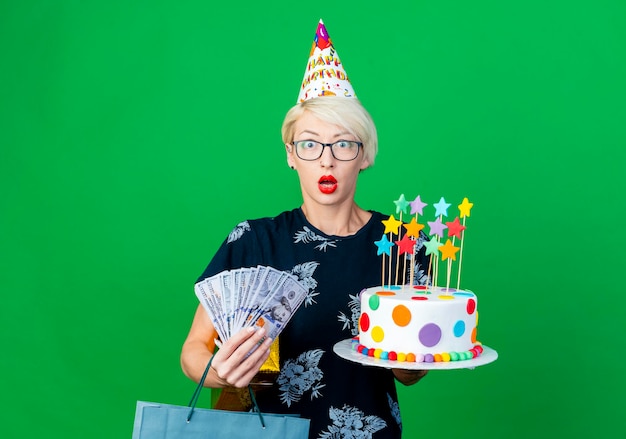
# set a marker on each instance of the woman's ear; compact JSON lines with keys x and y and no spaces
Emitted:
{"x":290,"y":160}
{"x":364,"y":164}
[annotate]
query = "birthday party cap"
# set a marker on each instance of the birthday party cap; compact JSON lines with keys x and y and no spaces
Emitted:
{"x":324,"y":74}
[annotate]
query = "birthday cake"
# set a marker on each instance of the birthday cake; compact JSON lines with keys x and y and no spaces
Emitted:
{"x":420,"y":323}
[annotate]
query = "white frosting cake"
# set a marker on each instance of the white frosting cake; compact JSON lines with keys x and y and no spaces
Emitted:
{"x":418,"y":324}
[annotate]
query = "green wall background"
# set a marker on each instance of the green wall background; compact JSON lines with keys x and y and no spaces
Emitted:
{"x":134,"y":135}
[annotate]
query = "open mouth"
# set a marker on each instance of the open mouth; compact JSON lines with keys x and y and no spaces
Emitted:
{"x":327,"y":184}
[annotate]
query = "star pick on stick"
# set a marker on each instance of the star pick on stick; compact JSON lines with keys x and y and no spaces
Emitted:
{"x":401,"y":204}
{"x":392,"y":225}
{"x":432,"y":247}
{"x":417,"y":206}
{"x":455,"y":228}
{"x":405,"y":245}
{"x":384,"y":246}
{"x":437,"y":227}
{"x":441,"y":208}
{"x":465,"y":207}
{"x":448,"y":251}
{"x":413,"y":228}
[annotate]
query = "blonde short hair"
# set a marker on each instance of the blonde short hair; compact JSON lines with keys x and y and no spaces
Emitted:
{"x":347,"y":113}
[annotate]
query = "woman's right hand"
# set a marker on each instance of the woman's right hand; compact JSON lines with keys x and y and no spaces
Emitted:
{"x":232,"y":366}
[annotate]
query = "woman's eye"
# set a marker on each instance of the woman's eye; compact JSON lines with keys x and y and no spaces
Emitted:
{"x":343,"y":144}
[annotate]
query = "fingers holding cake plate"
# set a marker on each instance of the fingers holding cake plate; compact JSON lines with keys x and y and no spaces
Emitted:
{"x":409,"y":377}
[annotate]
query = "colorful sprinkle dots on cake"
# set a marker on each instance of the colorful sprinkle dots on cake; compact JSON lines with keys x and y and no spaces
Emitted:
{"x":471,"y":306}
{"x":374,"y":302}
{"x":378,"y":334}
{"x":440,"y":357}
{"x":459,"y":328}
{"x":401,"y":315}
{"x":463,"y":294}
{"x":364,"y":322}
{"x":429,"y":335}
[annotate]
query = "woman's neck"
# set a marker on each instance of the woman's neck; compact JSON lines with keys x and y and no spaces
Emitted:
{"x":337,"y":221}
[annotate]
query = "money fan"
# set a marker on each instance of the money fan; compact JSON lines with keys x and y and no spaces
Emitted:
{"x":259,"y":296}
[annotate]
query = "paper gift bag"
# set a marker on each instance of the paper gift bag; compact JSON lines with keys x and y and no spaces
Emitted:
{"x":163,"y":421}
{"x":166,"y":421}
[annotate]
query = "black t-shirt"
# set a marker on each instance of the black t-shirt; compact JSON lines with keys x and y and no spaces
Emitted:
{"x":342,"y":399}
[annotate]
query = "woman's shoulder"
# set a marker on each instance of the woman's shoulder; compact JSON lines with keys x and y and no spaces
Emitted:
{"x":293,"y":220}
{"x":269,"y":224}
{"x":286,"y":217}
{"x":376,"y":215}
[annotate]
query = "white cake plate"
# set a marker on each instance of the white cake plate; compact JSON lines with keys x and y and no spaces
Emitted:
{"x":344,"y":350}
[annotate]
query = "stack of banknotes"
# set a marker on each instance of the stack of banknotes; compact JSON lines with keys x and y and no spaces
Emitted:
{"x":259,"y":296}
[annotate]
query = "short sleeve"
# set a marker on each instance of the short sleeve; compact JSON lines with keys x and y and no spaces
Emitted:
{"x":239,"y":249}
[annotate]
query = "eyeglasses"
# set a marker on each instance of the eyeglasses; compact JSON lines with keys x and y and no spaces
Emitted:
{"x":343,"y":150}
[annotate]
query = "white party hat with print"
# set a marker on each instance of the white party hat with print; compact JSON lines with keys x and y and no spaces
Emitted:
{"x":324,"y":74}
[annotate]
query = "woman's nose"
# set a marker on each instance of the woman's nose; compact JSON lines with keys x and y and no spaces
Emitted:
{"x":327,"y":159}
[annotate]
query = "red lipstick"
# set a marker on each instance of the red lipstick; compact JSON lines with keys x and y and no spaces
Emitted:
{"x":327,"y":184}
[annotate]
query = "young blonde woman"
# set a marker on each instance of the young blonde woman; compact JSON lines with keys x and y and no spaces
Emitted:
{"x":328,"y":243}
